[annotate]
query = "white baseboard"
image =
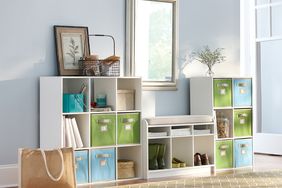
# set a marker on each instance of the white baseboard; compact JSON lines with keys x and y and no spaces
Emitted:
{"x":8,"y":175}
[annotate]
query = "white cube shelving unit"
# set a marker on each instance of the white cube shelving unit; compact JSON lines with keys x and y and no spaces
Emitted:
{"x":51,"y":114}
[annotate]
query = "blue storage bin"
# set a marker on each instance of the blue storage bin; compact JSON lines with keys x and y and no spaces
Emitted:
{"x":103,"y":165}
{"x":243,"y":150}
{"x":81,"y":166}
{"x":242,"y":92}
{"x":73,"y":102}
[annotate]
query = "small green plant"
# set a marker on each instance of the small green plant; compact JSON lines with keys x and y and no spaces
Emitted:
{"x":209,"y":57}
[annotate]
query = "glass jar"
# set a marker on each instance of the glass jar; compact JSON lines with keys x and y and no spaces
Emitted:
{"x":223,"y":127}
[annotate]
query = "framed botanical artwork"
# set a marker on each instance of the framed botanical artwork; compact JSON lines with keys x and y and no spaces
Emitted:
{"x":71,"y":45}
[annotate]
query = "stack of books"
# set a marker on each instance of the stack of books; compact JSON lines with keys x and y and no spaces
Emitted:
{"x":71,"y":135}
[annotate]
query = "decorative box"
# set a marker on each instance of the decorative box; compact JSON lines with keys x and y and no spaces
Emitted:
{"x":125,"y":100}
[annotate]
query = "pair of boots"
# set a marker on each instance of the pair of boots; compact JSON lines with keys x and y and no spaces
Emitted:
{"x":156,"y":156}
{"x":201,"y":159}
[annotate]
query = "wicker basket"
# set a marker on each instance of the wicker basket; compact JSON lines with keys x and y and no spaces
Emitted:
{"x":95,"y":67}
{"x":110,"y":68}
{"x":126,"y":169}
{"x":89,"y":67}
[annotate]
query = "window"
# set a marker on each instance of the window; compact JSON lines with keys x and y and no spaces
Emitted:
{"x":152,"y":42}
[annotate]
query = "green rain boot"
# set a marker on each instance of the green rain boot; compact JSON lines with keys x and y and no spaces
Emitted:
{"x":161,"y":160}
{"x":153,"y":155}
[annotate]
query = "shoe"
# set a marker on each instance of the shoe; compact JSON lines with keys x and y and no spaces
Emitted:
{"x":175,"y":165}
{"x":205,"y":159}
{"x":179,"y":162}
{"x":197,"y":159}
{"x":153,"y":155}
{"x":161,"y":154}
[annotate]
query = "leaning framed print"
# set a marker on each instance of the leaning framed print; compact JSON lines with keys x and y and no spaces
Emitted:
{"x":71,"y":45}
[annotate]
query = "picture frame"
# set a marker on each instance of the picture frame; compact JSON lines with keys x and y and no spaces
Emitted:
{"x":72,"y":43}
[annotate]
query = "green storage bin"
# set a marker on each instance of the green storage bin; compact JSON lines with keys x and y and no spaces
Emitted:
{"x":242,"y":122}
{"x":222,"y":92}
{"x":103,"y":127}
{"x":224,"y":154}
{"x":128,"y":128}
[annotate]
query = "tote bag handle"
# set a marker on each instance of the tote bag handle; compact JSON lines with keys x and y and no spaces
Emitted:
{"x":47,"y":169}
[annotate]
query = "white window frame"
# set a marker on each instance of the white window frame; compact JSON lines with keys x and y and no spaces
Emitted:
{"x":130,"y":47}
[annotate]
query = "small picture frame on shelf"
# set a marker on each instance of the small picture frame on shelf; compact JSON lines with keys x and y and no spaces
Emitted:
{"x":71,"y":45}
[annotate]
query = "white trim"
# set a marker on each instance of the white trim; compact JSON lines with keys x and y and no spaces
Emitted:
{"x":8,"y":175}
{"x":269,"y":38}
{"x":269,"y":147}
{"x":268,"y":5}
{"x":130,"y":46}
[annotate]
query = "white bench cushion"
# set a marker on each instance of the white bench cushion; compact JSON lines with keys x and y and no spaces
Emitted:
{"x":181,"y":119}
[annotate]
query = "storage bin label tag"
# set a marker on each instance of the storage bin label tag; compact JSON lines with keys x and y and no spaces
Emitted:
{"x":127,"y":127}
{"x":242,"y":121}
{"x":104,"y":128}
{"x":103,"y":162}
{"x":242,"y":91}
{"x":222,"y":153}
{"x":222,"y":91}
{"x":243,"y":152}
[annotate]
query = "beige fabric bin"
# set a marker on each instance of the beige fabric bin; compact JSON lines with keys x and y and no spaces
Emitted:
{"x":125,"y":100}
{"x":125,"y":169}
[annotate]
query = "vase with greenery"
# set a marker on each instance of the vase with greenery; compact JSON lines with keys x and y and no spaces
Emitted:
{"x":209,"y":57}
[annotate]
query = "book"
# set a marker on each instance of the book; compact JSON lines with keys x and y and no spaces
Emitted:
{"x":63,"y":128}
{"x":69,"y":125}
{"x":67,"y":134}
{"x":77,"y":136}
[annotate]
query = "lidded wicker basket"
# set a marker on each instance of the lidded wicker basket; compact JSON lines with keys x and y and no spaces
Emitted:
{"x":126,"y":169}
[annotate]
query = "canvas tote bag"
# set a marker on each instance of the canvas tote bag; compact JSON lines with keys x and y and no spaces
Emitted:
{"x":46,"y":168}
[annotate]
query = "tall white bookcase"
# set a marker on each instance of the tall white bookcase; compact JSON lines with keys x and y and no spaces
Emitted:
{"x":51,"y":114}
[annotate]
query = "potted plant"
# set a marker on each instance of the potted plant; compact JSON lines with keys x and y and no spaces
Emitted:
{"x":209,"y":57}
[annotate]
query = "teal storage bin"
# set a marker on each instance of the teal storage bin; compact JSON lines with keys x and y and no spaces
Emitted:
{"x":73,"y":102}
{"x":242,"y":92}
{"x":128,"y":128}
{"x":81,"y":166}
{"x":103,"y":165}
{"x":243,"y":150}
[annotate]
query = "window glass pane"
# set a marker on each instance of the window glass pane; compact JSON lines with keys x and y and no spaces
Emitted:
{"x":276,"y":1}
{"x":276,"y":20}
{"x":263,"y":22}
{"x":153,"y":41}
{"x":261,"y":2}
{"x":271,"y":87}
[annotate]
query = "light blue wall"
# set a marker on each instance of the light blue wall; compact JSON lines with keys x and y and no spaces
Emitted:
{"x":202,"y":22}
{"x":27,"y":52}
